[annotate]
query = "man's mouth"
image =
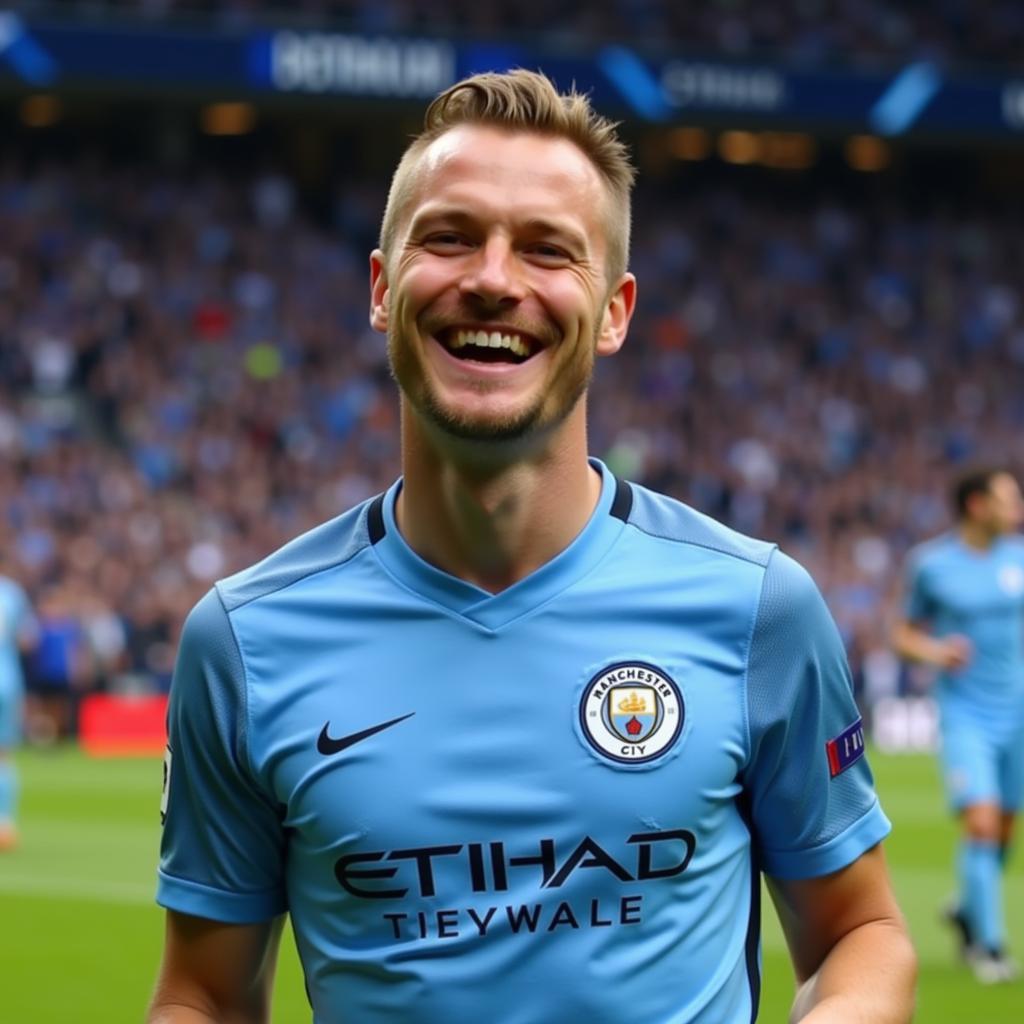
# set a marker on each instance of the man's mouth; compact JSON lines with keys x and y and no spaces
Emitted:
{"x":488,"y":346}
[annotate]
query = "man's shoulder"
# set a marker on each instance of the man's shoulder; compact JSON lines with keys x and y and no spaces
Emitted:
{"x":658,"y":515}
{"x":1014,"y":544}
{"x":326,"y":546}
{"x":942,"y":548}
{"x":782,"y":590}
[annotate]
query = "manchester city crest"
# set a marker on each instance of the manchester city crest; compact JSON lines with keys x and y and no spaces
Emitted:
{"x":1011,"y":580}
{"x":632,"y":712}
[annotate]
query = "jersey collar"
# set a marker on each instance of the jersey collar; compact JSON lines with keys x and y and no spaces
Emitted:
{"x":493,"y":611}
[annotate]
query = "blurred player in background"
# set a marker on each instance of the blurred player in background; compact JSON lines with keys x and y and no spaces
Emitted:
{"x":17,"y":634}
{"x":511,"y":741}
{"x":964,"y":615}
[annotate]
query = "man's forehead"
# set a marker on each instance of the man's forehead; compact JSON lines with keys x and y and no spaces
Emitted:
{"x":489,"y":152}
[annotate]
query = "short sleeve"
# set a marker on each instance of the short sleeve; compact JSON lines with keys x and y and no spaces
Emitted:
{"x":812,"y":811}
{"x":222,"y":850}
{"x":917,"y":602}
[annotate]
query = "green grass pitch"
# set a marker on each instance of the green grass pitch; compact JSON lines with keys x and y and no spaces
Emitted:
{"x":80,"y":936}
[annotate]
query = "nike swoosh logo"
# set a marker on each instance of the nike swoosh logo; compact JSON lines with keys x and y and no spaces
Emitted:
{"x":326,"y":744}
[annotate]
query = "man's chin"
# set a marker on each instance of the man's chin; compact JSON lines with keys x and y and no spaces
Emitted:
{"x":509,"y":428}
{"x":482,"y":429}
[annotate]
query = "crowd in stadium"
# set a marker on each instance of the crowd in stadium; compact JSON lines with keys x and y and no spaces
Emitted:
{"x":188,"y":379}
{"x":809,"y":31}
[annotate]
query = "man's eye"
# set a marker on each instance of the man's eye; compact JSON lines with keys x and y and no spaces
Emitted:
{"x":447,"y":240}
{"x":546,"y":251}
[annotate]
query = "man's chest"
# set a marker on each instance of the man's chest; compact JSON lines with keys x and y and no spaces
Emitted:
{"x":439,"y":763}
{"x":985,"y":592}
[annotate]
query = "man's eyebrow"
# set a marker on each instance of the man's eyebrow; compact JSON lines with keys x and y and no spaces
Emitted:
{"x":543,"y":227}
{"x":535,"y":226}
{"x":447,"y":214}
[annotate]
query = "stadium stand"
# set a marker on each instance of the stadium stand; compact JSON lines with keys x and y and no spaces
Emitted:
{"x":815,"y":32}
{"x":187,"y":379}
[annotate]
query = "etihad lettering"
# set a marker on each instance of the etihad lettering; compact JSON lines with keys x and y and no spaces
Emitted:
{"x":521,"y":918}
{"x":491,"y":867}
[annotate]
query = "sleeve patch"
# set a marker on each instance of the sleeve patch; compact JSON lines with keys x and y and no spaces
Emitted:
{"x":847,"y":748}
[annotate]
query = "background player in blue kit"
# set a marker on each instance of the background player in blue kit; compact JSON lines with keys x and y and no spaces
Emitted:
{"x":514,"y":740}
{"x":17,"y":633}
{"x":965,"y":616}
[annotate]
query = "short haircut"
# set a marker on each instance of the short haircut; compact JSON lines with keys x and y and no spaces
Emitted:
{"x":972,"y":481}
{"x":529,"y":102}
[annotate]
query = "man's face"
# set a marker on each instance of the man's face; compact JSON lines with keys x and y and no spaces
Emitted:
{"x":1002,"y":507}
{"x":495,"y":299}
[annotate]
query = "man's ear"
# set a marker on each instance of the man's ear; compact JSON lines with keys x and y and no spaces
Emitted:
{"x":379,"y":292}
{"x":617,"y":314}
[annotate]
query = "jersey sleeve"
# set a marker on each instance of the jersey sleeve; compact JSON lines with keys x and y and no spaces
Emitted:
{"x":222,"y":850}
{"x":808,"y":786}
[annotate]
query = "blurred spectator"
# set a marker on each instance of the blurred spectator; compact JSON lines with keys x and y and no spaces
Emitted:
{"x":806,"y":31}
{"x":187,"y":380}
{"x":58,"y":667}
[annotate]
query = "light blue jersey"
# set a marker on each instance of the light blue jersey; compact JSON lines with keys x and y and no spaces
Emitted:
{"x":980,"y":594}
{"x":16,"y":621}
{"x":547,"y":804}
{"x":956,"y":589}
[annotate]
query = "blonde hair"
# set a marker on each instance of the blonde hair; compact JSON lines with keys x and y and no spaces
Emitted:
{"x":522,"y":100}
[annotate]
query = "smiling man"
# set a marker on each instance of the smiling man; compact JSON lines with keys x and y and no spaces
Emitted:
{"x":514,"y":740}
{"x":504,"y":288}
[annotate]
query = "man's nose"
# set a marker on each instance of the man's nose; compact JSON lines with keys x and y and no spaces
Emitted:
{"x":494,"y":275}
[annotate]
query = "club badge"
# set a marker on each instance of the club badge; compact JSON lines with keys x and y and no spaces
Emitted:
{"x":1011,"y":580}
{"x":631,"y":712}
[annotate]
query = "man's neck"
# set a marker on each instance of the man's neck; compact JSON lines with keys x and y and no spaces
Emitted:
{"x":976,"y":536}
{"x":494,"y":523}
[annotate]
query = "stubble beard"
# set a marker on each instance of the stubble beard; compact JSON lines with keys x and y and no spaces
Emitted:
{"x":487,"y":429}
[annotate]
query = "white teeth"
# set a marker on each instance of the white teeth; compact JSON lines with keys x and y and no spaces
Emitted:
{"x":490,"y":339}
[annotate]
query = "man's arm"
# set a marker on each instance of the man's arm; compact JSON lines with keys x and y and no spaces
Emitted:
{"x":851,"y":952}
{"x":215,"y":973}
{"x":912,"y":642}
